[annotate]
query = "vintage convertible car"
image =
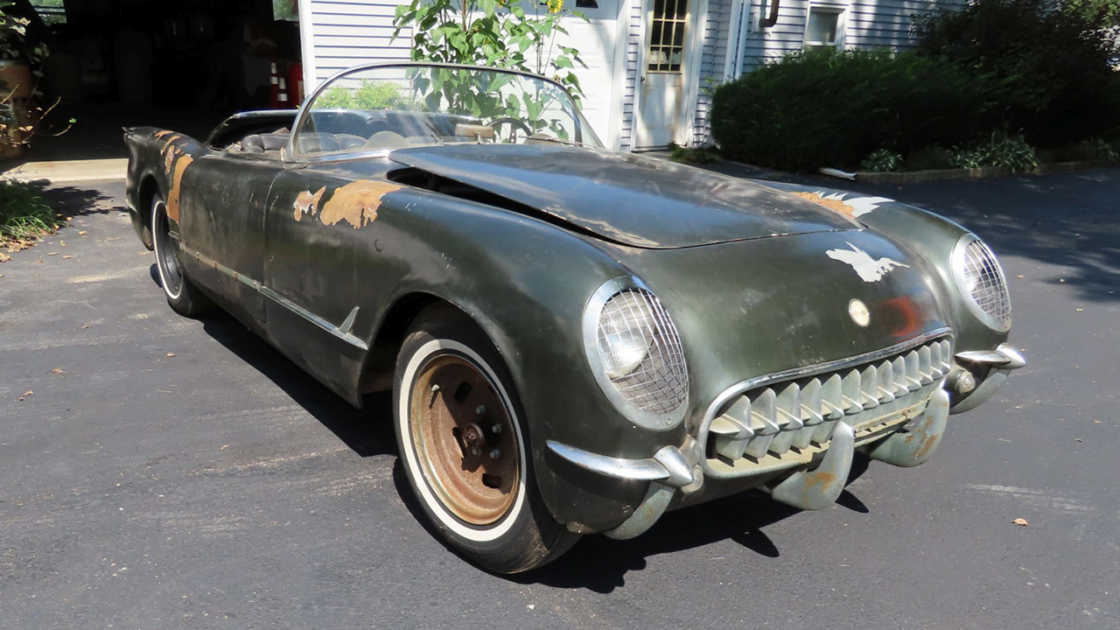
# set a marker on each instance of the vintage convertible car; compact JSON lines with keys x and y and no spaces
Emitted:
{"x":576,"y":339}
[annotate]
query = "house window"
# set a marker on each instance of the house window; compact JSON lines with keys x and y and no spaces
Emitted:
{"x":824,"y":28}
{"x":666,"y":36}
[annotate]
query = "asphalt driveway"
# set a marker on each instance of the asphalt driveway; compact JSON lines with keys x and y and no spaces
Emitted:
{"x":159,"y":472}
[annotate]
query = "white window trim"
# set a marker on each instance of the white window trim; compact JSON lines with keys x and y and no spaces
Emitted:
{"x":841,"y":10}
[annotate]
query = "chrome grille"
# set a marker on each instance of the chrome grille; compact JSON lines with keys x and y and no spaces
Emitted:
{"x":659,"y":384}
{"x":785,"y":423}
{"x":985,"y":282}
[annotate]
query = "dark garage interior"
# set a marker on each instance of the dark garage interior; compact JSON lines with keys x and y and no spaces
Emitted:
{"x":183,"y":65}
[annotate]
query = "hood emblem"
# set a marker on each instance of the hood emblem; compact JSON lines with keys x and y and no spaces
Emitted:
{"x":869,"y":269}
{"x":860,"y":315}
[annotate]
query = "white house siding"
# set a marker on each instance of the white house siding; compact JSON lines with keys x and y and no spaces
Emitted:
{"x":713,"y":46}
{"x":633,"y":13}
{"x":339,"y":34}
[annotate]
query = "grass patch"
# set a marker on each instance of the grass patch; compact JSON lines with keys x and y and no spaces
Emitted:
{"x":24,"y":217}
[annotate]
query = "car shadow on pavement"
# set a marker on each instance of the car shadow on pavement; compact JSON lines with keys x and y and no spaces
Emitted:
{"x":740,"y":518}
{"x":366,"y":431}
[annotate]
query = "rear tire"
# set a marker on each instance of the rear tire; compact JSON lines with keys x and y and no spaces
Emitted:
{"x":183,"y":297}
{"x":474,"y":482}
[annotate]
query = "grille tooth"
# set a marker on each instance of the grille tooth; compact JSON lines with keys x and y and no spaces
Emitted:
{"x":925,"y":369}
{"x":913,"y":374}
{"x":935,"y":359}
{"x":869,"y":390}
{"x":810,"y":413}
{"x":851,"y":387}
{"x":764,"y":422}
{"x":733,"y":429}
{"x":832,"y":397}
{"x":788,"y":406}
{"x":898,"y":371}
{"x":946,"y":355}
{"x":886,"y":382}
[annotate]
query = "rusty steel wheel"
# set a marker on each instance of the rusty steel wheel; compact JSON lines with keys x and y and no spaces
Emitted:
{"x":464,"y":447}
{"x":464,"y":440}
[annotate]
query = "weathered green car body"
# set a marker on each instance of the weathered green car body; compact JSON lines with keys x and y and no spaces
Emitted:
{"x":519,"y":238}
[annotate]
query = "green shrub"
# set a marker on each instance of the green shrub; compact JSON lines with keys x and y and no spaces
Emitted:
{"x":930,"y":157}
{"x":24,"y":216}
{"x":881,"y":161}
{"x":828,"y":108}
{"x":999,"y":149}
{"x":700,"y":155}
{"x":1054,"y":59}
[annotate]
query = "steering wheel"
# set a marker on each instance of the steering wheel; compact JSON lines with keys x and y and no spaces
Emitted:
{"x":513,"y":123}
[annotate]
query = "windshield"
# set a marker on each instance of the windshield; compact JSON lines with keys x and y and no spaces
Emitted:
{"x":395,"y":106}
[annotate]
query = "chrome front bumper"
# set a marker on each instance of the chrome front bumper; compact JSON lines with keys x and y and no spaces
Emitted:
{"x":912,"y":442}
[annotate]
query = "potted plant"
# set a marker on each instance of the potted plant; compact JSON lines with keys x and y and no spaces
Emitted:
{"x":18,"y":81}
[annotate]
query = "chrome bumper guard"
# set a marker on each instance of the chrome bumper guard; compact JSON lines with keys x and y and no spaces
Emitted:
{"x":683,"y":468}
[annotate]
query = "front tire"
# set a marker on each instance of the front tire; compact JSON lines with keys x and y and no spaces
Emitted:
{"x":183,"y":297}
{"x":462,"y":440}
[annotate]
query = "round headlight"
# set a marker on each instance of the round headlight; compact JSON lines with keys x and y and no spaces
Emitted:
{"x":981,"y":282}
{"x":635,"y":353}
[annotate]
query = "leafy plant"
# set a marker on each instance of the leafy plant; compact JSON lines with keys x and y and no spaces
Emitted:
{"x":24,"y":216}
{"x":495,"y":33}
{"x":14,"y":43}
{"x":370,"y":95}
{"x":882,"y":161}
{"x":1000,"y":149}
{"x":699,"y":155}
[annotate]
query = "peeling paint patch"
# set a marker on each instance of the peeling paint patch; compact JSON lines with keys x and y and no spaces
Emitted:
{"x":160,"y":134}
{"x":869,"y":269}
{"x":307,"y":202}
{"x":173,"y":197}
{"x":852,"y":207}
{"x":356,"y":203}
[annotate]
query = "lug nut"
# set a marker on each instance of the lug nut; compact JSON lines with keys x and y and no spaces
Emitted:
{"x":496,"y":453}
{"x":475,"y":452}
{"x":496,"y":429}
{"x":481,"y":409}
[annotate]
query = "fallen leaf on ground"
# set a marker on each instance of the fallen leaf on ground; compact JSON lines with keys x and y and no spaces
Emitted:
{"x":82,"y":232}
{"x":224,"y":447}
{"x":69,"y":218}
{"x":58,"y":371}
{"x":62,"y":243}
{"x":67,"y":257}
{"x":141,"y":253}
{"x":170,"y":354}
{"x":1018,"y":276}
{"x":53,"y":254}
{"x":1080,"y":310}
{"x":4,"y":257}
{"x":1096,"y":422}
{"x":86,"y":326}
{"x":1021,"y":522}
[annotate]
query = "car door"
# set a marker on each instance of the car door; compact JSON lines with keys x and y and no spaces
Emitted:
{"x":322,"y":275}
{"x":223,"y":209}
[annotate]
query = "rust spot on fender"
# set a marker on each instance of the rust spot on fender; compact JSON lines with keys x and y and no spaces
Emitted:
{"x":160,"y":134}
{"x":176,"y":184}
{"x":169,"y":158}
{"x":307,"y":202}
{"x":835,"y":205}
{"x":356,"y":203}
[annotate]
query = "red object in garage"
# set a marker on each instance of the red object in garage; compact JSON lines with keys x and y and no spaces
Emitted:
{"x":295,"y":84}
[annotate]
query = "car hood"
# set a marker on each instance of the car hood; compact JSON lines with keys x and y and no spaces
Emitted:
{"x":625,"y":198}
